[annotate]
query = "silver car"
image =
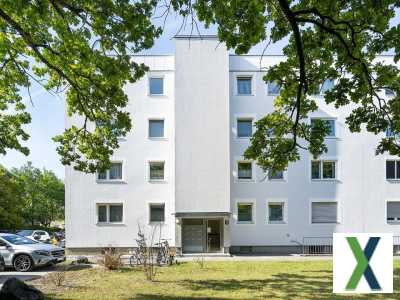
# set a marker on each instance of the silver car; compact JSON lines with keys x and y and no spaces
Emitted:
{"x":24,"y":254}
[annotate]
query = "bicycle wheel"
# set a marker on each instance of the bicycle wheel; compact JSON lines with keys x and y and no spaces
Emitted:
{"x":133,"y":261}
{"x":159,"y":258}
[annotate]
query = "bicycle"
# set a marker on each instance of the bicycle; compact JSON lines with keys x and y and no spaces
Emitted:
{"x":138,"y":255}
{"x":164,"y":253}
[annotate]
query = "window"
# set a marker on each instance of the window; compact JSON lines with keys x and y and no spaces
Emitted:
{"x":326,"y":86}
{"x":109,"y":213}
{"x":323,"y":169}
{"x":278,"y":175}
{"x":157,"y":212}
{"x":100,"y":124}
{"x":273,"y":88}
{"x":244,"y":85}
{"x":327,"y":122}
{"x":245,"y":212}
{"x":114,"y":173}
{"x":392,"y":169}
{"x":102,"y":175}
{"x":244,"y":128}
{"x":156,"y":128}
{"x":389,"y":92}
{"x":393,"y":211}
{"x":275,"y":212}
{"x":391,"y":134}
{"x":245,"y":170}
{"x":156,"y":86}
{"x":323,"y":212}
{"x":102,"y":213}
{"x":115,"y":213}
{"x":156,"y":171}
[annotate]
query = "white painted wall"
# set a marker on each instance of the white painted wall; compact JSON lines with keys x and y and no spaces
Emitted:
{"x":136,"y":192}
{"x":361,"y":189}
{"x":200,"y":150}
{"x":201,"y":126}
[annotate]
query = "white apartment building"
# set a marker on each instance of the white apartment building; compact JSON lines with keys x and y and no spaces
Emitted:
{"x":181,"y":175}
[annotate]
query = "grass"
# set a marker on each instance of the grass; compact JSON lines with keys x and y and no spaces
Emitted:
{"x":217,"y":280}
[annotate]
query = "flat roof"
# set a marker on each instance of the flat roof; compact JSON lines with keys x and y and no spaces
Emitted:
{"x":197,"y":36}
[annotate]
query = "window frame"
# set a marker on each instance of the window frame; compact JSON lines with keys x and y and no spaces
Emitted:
{"x":396,"y":168}
{"x":107,"y":179}
{"x":149,"y":85}
{"x":321,"y":169}
{"x":284,"y":204}
{"x":158,"y":204}
{"x":252,"y":171}
{"x":248,"y":203}
{"x":276,"y":179}
{"x":389,"y":93}
{"x":391,"y":222}
{"x":391,"y":135}
{"x":273,"y":94}
{"x":335,"y":135}
{"x":244,"y":119}
{"x":108,"y":205}
{"x":338,"y":216}
{"x":322,"y":84}
{"x":149,"y":162}
{"x":244,"y":76}
{"x":148,"y":128}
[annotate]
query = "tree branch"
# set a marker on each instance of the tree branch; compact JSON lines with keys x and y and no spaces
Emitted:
{"x":302,"y":66}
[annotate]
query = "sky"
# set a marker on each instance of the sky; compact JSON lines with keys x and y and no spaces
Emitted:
{"x":47,"y":111}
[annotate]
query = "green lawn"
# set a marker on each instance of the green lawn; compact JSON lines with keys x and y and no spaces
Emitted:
{"x":217,"y":280}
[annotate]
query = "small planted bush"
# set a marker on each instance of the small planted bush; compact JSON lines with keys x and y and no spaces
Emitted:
{"x":111,"y":259}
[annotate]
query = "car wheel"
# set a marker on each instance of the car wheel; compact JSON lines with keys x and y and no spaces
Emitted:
{"x":23,"y":263}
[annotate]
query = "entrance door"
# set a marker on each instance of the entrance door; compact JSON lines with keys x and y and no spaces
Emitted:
{"x":213,"y":235}
{"x":193,"y":237}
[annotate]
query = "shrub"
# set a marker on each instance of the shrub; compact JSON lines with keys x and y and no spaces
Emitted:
{"x":111,"y":259}
{"x":200,"y":261}
{"x":57,"y":278}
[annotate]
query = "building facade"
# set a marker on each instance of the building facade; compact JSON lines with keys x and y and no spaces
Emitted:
{"x":180,"y":174}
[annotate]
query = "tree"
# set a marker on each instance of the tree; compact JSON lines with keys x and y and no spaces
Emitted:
{"x":42,"y":195}
{"x":10,"y":201}
{"x":82,"y":48}
{"x":52,"y":206}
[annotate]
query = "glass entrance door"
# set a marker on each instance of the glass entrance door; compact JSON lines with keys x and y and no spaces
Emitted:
{"x":214,"y":235}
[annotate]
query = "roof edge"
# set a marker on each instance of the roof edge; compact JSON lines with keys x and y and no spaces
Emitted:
{"x":196,"y":37}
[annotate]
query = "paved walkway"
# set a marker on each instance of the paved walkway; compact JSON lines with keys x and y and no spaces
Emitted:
{"x":220,"y":257}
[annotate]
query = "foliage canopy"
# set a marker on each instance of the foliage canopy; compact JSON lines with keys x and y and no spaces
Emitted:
{"x":30,"y":197}
{"x":84,"y":46}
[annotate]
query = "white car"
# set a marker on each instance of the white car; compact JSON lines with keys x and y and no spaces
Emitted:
{"x":38,"y":235}
{"x":24,"y":254}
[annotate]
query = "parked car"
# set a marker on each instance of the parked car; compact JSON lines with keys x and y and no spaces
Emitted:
{"x":61,"y":243}
{"x":58,"y":235}
{"x":23,"y":254}
{"x":58,"y":239}
{"x":2,"y":263}
{"x":38,"y":235}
